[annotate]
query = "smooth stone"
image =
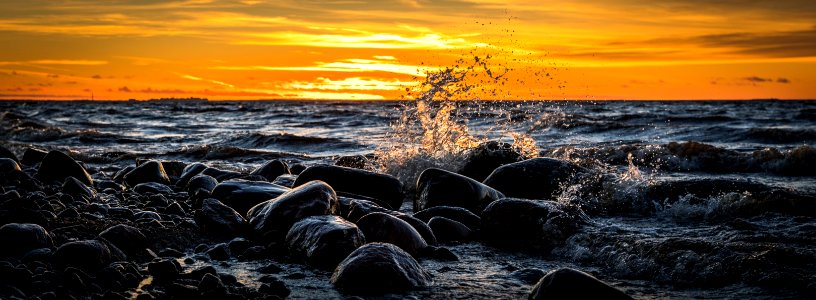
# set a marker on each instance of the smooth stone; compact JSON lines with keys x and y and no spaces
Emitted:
{"x":8,"y":165}
{"x":31,"y":156}
{"x":271,"y":170}
{"x":76,"y":188}
{"x":270,"y":220}
{"x":242,"y":195}
{"x":108,"y":184}
{"x":201,"y":182}
{"x":458,"y":214}
{"x":189,"y":172}
{"x":323,"y":241}
{"x":382,"y":227}
{"x":221,"y":175}
{"x":447,"y":230}
{"x":537,"y":178}
{"x":353,"y":161}
{"x":56,"y":166}
{"x":6,"y":153}
{"x":87,"y":255}
{"x":211,"y":285}
{"x":486,"y":157}
{"x":538,"y":224}
{"x":379,"y":268}
{"x":175,"y":209}
{"x":360,"y":208}
{"x":125,"y":237}
{"x":152,"y":188}
{"x":216,"y":218}
{"x":421,"y":226}
{"x":567,"y":283}
{"x":150,"y":171}
{"x":219,"y":252}
{"x":163,"y":270}
{"x":437,"y":187}
{"x":275,"y":288}
{"x":19,"y":238}
{"x":147,"y":215}
{"x":119,"y":177}
{"x":384,"y":187}
{"x":287,"y":180}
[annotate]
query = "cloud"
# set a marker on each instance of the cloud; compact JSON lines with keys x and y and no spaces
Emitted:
{"x":352,"y":83}
{"x":96,"y":77}
{"x":345,"y":65}
{"x":757,"y":79}
{"x":190,"y":77}
{"x":124,"y":89}
{"x":782,"y":80}
{"x":801,"y":43}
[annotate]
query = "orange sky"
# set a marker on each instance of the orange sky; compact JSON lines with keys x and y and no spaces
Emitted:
{"x":255,"y":49}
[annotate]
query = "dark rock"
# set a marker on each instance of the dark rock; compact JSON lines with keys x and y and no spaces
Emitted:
{"x":219,"y":252}
{"x":324,"y":241}
{"x":151,"y":171}
{"x":148,"y":188}
{"x":296,"y":169}
{"x":199,"y":273}
{"x":87,"y":255}
{"x":422,"y":227}
{"x":201,"y":182}
{"x":175,"y":209}
{"x":242,"y":195}
{"x":539,"y":224}
{"x":437,"y":187}
{"x":211,"y":285}
{"x":274,"y":287}
{"x":8,"y":165}
{"x":271,"y":220}
{"x":170,"y":252}
{"x":440,"y":253}
{"x":287,"y":180}
{"x":218,"y":219}
{"x":17,"y":239}
{"x":381,"y":227}
{"x":458,"y":214}
{"x":119,"y":177}
{"x":163,"y":269}
{"x":379,"y":268}
{"x":56,"y":166}
{"x":6,"y":153}
{"x":221,"y":175}
{"x":536,"y":178}
{"x":189,"y":172}
{"x":127,"y":238}
{"x":486,"y":157}
{"x":239,"y":245}
{"x":76,"y":188}
{"x":69,"y":213}
{"x":528,"y":276}
{"x":147,"y":215}
{"x":271,"y":170}
{"x":40,"y":254}
{"x":182,"y":291}
{"x":173,"y":168}
{"x":353,"y":161}
{"x":270,"y":269}
{"x":573,"y":284}
{"x":360,"y":208}
{"x":447,"y":230}
{"x":32,"y":157}
{"x":379,"y":186}
{"x":108,"y":184}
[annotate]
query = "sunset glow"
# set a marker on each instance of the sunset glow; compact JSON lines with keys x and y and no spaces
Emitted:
{"x":253,"y":49}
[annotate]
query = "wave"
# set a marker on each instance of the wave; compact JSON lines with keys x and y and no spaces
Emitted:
{"x":256,"y":140}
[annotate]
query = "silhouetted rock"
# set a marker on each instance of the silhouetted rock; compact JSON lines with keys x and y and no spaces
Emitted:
{"x":148,"y":188}
{"x":359,"y":208}
{"x":211,"y":286}
{"x":539,"y":224}
{"x":76,"y":188}
{"x":437,"y":187}
{"x":219,"y":252}
{"x":324,"y":241}
{"x":536,"y":178}
{"x":271,"y":170}
{"x":88,"y":255}
{"x":201,"y":182}
{"x":270,"y":220}
{"x":127,"y":238}
{"x":163,"y":270}
{"x":379,"y":186}
{"x":381,"y":227}
{"x":19,"y":238}
{"x":447,"y":230}
{"x":567,"y":283}
{"x":151,"y":171}
{"x":488,"y":156}
{"x":221,"y":175}
{"x":189,"y":172}
{"x":458,"y":214}
{"x":420,"y":226}
{"x":56,"y":166}
{"x":32,"y":157}
{"x":287,"y":180}
{"x":8,"y":165}
{"x":6,"y":153}
{"x":379,"y":268}
{"x":241,"y":195}
{"x":216,"y":218}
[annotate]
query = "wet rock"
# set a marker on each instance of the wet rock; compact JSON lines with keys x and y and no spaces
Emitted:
{"x":271,"y":170}
{"x":201,"y":182}
{"x":211,"y":286}
{"x":87,"y":255}
{"x":57,"y":166}
{"x":182,"y":291}
{"x":439,"y":253}
{"x":296,"y":169}
{"x":151,"y":171}
{"x":379,"y":268}
{"x":127,"y":238}
{"x":567,"y":283}
{"x":242,"y":195}
{"x":271,"y":220}
{"x":149,"y":188}
{"x":8,"y":165}
{"x":486,"y":157}
{"x":219,"y":252}
{"x":108,"y":184}
{"x":19,"y":238}
{"x":287,"y":180}
{"x":359,"y":208}
{"x":539,"y":224}
{"x":31,"y":156}
{"x":274,"y":287}
{"x":323,"y":241}
{"x":164,"y":269}
{"x":119,"y":177}
{"x":221,"y":175}
{"x":422,"y":227}
{"x":147,"y":215}
{"x":6,"y":153}
{"x":458,"y":214}
{"x":437,"y":187}
{"x":189,"y":172}
{"x":381,"y":227}
{"x":175,"y":209}
{"x":536,"y":178}
{"x":76,"y":188}
{"x":447,"y":230}
{"x":353,"y":161}
{"x":379,"y":186}
{"x":218,"y":219}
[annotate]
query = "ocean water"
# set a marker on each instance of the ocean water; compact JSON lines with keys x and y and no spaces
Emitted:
{"x":709,"y":199}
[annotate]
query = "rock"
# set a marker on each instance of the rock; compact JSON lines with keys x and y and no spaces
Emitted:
{"x":270,"y":220}
{"x":108,"y":184}
{"x":379,"y":186}
{"x":76,"y":188}
{"x":271,"y":170}
{"x":18,"y":238}
{"x":536,"y":178}
{"x":447,"y":230}
{"x":461,"y":215}
{"x":147,"y":215}
{"x":242,"y":195}
{"x":189,"y":172}
{"x":420,"y":226}
{"x":295,"y":169}
{"x":56,"y":166}
{"x":151,"y":171}
{"x":219,"y":252}
{"x":437,"y":187}
{"x":8,"y":165}
{"x":539,"y":224}
{"x":482,"y":160}
{"x":6,"y":153}
{"x":221,"y":175}
{"x":359,"y":208}
{"x":201,"y":182}
{"x":567,"y":283}
{"x":381,"y":227}
{"x":210,"y":285}
{"x":149,"y":188}
{"x":88,"y":255}
{"x":379,"y":268}
{"x":119,"y":177}
{"x":323,"y":241}
{"x":287,"y":180}
{"x":164,"y":269}
{"x":218,"y":219}
{"x":274,"y":287}
{"x":353,"y":161}
{"x":32,"y":157}
{"x":127,"y":238}
{"x":175,"y":209}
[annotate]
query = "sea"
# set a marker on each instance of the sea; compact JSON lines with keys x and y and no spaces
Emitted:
{"x":702,"y":199}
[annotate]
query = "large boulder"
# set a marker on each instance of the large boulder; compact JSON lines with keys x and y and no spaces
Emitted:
{"x":458,"y":214}
{"x":19,"y":238}
{"x":150,"y":171}
{"x":324,"y":241}
{"x":242,"y":195}
{"x":382,"y":227}
{"x":486,"y":157}
{"x":379,"y":268}
{"x":271,"y":170}
{"x":127,"y":238}
{"x":8,"y":165}
{"x":201,"y":182}
{"x":189,"y":172}
{"x":567,"y":283}
{"x":446,"y":230}
{"x":437,"y":187}
{"x":358,"y":208}
{"x":56,"y":166}
{"x":270,"y":220}
{"x":76,"y":188}
{"x":6,"y":153}
{"x":537,"y":178}
{"x":421,"y":226}
{"x":384,"y":187}
{"x":218,"y":219}
{"x":89,"y":255}
{"x":32,"y":157}
{"x":539,"y":224}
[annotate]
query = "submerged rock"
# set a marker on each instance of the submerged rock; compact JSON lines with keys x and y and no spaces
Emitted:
{"x":567,"y":283}
{"x":382,"y":227}
{"x":539,"y":224}
{"x":324,"y":241}
{"x":151,"y":171}
{"x":379,"y":268}
{"x":355,"y":181}
{"x":271,"y":170}
{"x":19,"y":238}
{"x":270,"y":220}
{"x":437,"y":187}
{"x":536,"y":178}
{"x":218,"y":219}
{"x":242,"y":195}
{"x":57,"y":166}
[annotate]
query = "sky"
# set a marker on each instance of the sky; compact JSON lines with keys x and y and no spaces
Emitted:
{"x":366,"y":50}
